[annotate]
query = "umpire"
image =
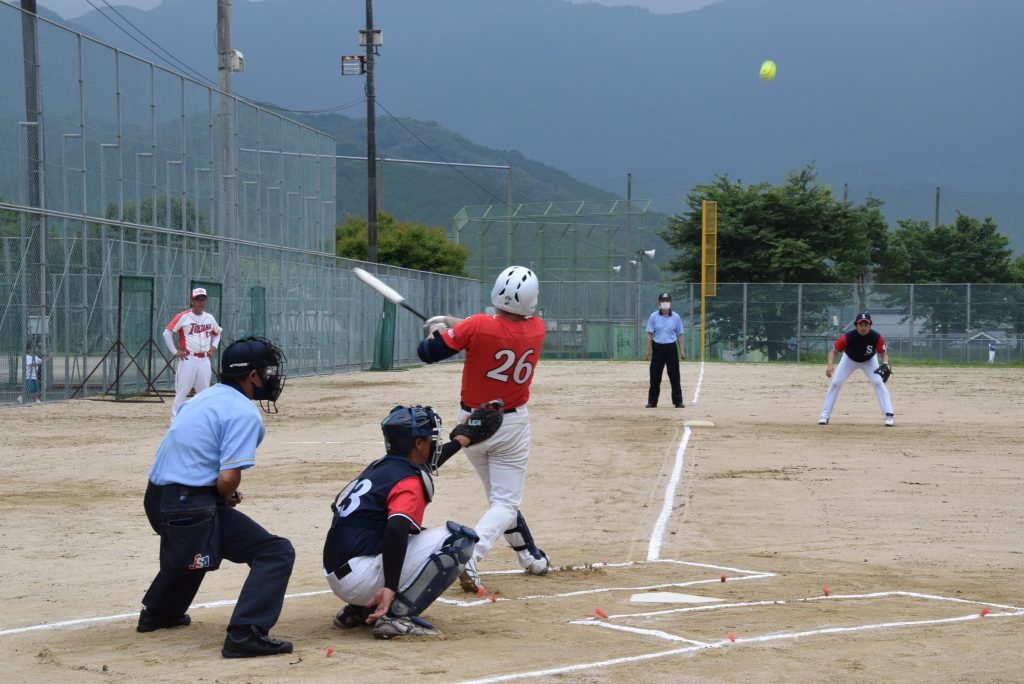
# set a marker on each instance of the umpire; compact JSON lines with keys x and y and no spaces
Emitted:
{"x":191,"y":498}
{"x":664,"y":349}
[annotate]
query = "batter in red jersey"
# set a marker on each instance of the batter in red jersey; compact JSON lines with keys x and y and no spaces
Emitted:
{"x":192,"y":337}
{"x":860,"y":348}
{"x":502,"y":352}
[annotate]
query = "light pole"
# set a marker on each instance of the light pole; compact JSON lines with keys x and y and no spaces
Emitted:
{"x":357,"y":65}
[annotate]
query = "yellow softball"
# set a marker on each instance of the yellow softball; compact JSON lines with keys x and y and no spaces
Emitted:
{"x":768,"y":70}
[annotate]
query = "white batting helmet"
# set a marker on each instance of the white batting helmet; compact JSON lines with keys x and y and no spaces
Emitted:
{"x":516,"y":291}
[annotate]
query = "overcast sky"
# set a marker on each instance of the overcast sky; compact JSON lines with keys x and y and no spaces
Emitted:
{"x":69,"y":9}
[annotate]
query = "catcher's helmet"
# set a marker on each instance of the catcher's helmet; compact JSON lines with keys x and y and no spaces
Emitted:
{"x":405,"y":424}
{"x":256,"y":353}
{"x":516,"y":291}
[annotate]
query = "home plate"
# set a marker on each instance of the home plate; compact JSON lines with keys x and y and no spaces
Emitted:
{"x":698,"y":423}
{"x":670,"y":597}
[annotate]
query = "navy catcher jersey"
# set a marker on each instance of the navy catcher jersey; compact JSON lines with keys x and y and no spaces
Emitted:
{"x":859,"y":347}
{"x":361,"y":509}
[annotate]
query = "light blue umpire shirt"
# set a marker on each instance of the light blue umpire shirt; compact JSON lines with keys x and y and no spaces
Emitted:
{"x":665,"y":328}
{"x":218,"y":429}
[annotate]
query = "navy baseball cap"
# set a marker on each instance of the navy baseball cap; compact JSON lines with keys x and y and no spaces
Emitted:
{"x":862,"y":317}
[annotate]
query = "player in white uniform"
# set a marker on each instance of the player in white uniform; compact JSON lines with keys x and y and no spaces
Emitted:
{"x":192,"y":336}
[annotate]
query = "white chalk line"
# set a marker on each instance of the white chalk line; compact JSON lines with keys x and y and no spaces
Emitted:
{"x":654,"y":548}
{"x":230,"y":602}
{"x":701,"y":646}
{"x":637,"y":630}
{"x":123,"y":616}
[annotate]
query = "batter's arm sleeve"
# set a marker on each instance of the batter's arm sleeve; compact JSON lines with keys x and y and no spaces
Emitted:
{"x":433,"y":349}
{"x":169,"y":341}
{"x":394,"y":546}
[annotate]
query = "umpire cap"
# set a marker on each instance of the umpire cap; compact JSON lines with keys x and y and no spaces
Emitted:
{"x":664,"y":297}
{"x":249,"y":354}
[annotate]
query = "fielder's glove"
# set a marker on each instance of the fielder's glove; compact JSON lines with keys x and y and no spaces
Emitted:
{"x":885,"y":370}
{"x":482,"y":423}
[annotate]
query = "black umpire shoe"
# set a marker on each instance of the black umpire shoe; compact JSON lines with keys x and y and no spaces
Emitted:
{"x":254,"y":644}
{"x":651,"y":406}
{"x":150,"y":622}
{"x":680,"y":405}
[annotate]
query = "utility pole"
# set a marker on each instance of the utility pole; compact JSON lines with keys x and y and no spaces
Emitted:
{"x":228,"y":157}
{"x":371,"y":137}
{"x":228,"y":60}
{"x":35,"y":223}
{"x":362,"y":65}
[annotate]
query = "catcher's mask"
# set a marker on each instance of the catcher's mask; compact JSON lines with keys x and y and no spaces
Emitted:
{"x":259,"y":354}
{"x":405,"y":424}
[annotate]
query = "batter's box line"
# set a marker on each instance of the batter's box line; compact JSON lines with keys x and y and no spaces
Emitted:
{"x":697,"y":646}
{"x":597,"y":590}
{"x":626,"y":564}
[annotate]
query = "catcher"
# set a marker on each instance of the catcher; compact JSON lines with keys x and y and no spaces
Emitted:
{"x":861,"y":349}
{"x":378,"y":557}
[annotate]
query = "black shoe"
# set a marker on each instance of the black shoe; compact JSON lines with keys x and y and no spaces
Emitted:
{"x":352,"y":616}
{"x":254,"y":644}
{"x":651,"y":406}
{"x":680,"y":405}
{"x":150,"y":622}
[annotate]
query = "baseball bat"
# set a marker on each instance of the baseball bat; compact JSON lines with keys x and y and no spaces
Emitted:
{"x":388,"y":292}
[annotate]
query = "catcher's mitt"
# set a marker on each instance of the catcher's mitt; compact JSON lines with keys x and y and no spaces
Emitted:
{"x":885,"y":370}
{"x":482,"y":423}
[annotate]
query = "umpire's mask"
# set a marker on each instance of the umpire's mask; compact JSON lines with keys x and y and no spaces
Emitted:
{"x":256,"y":353}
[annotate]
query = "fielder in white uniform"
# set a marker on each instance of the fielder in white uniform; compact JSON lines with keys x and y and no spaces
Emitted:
{"x":860,"y":348}
{"x":192,"y":336}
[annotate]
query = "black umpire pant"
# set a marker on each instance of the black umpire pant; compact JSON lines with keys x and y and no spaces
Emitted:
{"x":270,"y":559}
{"x":664,"y":356}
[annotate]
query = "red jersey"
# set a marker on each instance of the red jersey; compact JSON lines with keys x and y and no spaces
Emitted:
{"x":501,"y":356}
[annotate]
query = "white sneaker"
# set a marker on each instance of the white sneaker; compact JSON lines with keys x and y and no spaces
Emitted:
{"x":823,"y":421}
{"x":890,"y":420}
{"x":390,"y":627}
{"x":38,"y":402}
{"x":469,"y":578}
{"x":532,"y":564}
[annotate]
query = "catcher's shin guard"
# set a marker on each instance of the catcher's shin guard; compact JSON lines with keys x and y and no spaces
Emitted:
{"x":531,"y":558}
{"x":438,"y":574}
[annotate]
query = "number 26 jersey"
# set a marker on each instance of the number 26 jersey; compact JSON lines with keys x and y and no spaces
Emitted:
{"x":501,"y":357}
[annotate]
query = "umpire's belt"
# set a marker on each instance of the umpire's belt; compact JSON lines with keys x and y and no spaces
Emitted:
{"x":342,"y":570}
{"x":466,"y":407}
{"x":200,"y":355}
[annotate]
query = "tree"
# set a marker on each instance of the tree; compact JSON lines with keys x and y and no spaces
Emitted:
{"x":797,"y":232}
{"x":969,"y":251}
{"x":942,"y":260}
{"x":794,"y":233}
{"x":408,"y":245}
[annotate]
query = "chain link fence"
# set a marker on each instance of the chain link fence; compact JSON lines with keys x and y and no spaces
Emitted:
{"x":123,"y":185}
{"x":795,"y":322}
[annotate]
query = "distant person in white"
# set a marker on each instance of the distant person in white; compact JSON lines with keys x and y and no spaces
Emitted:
{"x":32,"y":365}
{"x":992,"y":351}
{"x":197,"y":335}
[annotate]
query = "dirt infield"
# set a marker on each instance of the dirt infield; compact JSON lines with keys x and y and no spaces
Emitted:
{"x":850,"y":552}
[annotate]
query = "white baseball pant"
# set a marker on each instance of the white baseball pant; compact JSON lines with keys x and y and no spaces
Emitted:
{"x":192,"y":371}
{"x":367,"y":575}
{"x":843,"y":370}
{"x":501,"y":464}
